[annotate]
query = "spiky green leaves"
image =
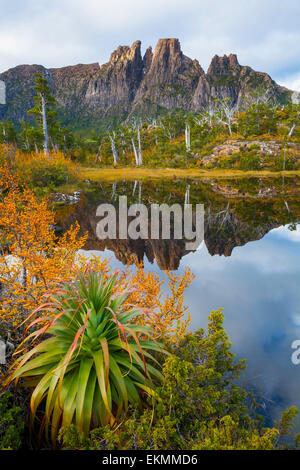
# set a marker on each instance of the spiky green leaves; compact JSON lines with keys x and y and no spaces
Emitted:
{"x":96,"y":361}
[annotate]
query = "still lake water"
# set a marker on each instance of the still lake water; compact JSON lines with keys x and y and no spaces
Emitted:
{"x":249,"y":264}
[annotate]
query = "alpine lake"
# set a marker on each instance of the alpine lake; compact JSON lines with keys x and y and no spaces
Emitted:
{"x":248,"y":264}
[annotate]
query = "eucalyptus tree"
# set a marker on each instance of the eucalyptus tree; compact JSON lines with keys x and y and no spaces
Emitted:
{"x":123,"y":139}
{"x":260,"y":96}
{"x":226,"y":113}
{"x":210,"y":112}
{"x":128,"y":141}
{"x":153,"y":128}
{"x":167,"y":126}
{"x":136,"y":141}
{"x":139,"y":146}
{"x":102,"y":139}
{"x":258,"y":119}
{"x":189,"y":122}
{"x":136,"y":156}
{"x":8,"y":133}
{"x":31,"y":138}
{"x":114,"y":150}
{"x":294,"y":112}
{"x":66,"y":139}
{"x":43,"y":108}
{"x":188,"y":137}
{"x":173,"y":124}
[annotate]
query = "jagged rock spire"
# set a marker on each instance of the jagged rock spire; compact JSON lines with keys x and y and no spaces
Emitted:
{"x":222,"y":65}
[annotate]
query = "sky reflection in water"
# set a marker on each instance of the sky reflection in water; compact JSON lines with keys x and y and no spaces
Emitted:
{"x":258,"y":287}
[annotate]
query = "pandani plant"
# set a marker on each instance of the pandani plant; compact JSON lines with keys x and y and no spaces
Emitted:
{"x":94,"y":361}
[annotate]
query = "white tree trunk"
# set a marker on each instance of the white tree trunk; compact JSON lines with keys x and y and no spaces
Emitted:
{"x":187,"y":195}
{"x":188,"y":137}
{"x":99,"y":150}
{"x":45,"y":126}
{"x":114,"y":190}
{"x":292,"y":130}
{"x":140,"y":147}
{"x":114,"y":150}
{"x":135,"y":152}
{"x":134,"y":187}
{"x":284,"y":159}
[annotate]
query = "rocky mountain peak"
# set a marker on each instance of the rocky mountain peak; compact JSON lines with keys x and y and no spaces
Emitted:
{"x":127,"y":53}
{"x":168,"y":77}
{"x":169,"y":44}
{"x":147,"y":59}
{"x":135,"y":52}
{"x":223,"y":65}
{"x":167,"y":55}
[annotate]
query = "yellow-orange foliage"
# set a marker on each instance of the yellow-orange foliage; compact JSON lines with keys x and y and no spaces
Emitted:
{"x":7,"y":178}
{"x":166,"y":314}
{"x":32,"y":259}
{"x":25,"y":164}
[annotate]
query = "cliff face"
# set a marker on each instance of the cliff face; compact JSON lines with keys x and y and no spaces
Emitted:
{"x":94,"y":96}
{"x":19,"y":83}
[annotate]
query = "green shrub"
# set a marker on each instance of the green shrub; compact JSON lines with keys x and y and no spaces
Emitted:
{"x":11,"y":423}
{"x":249,"y":161}
{"x":49,"y":175}
{"x":278,"y":163}
{"x":199,"y":405}
{"x":226,"y":162}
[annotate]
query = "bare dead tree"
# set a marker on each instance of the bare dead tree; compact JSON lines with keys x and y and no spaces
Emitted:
{"x":188,"y":137}
{"x":140,"y":160}
{"x":135,"y":152}
{"x":134,"y":187}
{"x":187,"y":195}
{"x":226,"y":114}
{"x":113,"y":149}
{"x":99,"y":149}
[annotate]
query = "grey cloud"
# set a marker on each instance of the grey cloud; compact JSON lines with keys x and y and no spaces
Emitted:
{"x":72,"y":31}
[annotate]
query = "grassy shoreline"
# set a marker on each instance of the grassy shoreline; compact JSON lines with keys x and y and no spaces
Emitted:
{"x":111,"y":174}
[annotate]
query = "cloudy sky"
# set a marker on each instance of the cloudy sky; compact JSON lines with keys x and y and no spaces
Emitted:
{"x":264,"y":33}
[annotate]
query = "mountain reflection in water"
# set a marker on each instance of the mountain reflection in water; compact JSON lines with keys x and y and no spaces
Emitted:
{"x":236,"y":212}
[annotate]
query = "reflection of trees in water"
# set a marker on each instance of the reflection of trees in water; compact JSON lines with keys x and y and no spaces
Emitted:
{"x":223,"y":217}
{"x":187,"y":194}
{"x":292,"y":224}
{"x":228,"y":222}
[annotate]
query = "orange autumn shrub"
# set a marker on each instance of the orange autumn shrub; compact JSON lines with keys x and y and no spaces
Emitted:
{"x":166,"y":314}
{"x":38,"y":169}
{"x":7,"y":178}
{"x":33,"y":259}
{"x":31,"y":256}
